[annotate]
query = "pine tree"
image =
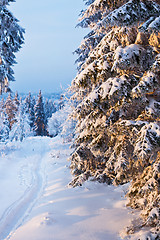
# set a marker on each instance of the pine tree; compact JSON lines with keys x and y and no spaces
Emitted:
{"x":11,"y":39}
{"x":117,"y":93}
{"x":29,"y":109}
{"x":10,"y":109}
{"x":16,"y":100}
{"x":39,"y":125}
{"x":50,"y":108}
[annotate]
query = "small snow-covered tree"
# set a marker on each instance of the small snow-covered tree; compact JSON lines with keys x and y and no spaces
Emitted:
{"x":49,"y":109}
{"x":21,"y":127}
{"x":40,"y":124}
{"x":10,"y":109}
{"x":11,"y":39}
{"x":61,"y":102}
{"x":16,"y":100}
{"x":4,"y":124}
{"x":62,"y":123}
{"x":4,"y":127}
{"x":29,"y":105}
{"x":52,"y":107}
{"x":116,"y":92}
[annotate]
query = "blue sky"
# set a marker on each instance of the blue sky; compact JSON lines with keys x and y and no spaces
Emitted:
{"x":46,"y":61}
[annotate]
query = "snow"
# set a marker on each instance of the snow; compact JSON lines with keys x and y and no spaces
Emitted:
{"x":36,"y":204}
{"x":82,"y":75}
{"x":150,"y":132}
{"x":97,"y":2}
{"x":154,"y":212}
{"x":146,"y":84}
{"x":127,"y":13}
{"x":107,"y":88}
{"x":155,"y":24}
{"x":92,"y":96}
{"x":126,"y":55}
{"x":127,"y":51}
{"x":143,"y":235}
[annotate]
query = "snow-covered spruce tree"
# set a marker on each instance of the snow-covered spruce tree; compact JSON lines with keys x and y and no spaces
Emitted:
{"x":89,"y":19}
{"x":61,"y":102}
{"x":21,"y":127}
{"x":39,"y":124}
{"x":29,"y":104}
{"x":4,"y":124}
{"x":16,"y":100}
{"x":52,"y":107}
{"x":118,"y":94}
{"x":11,"y":39}
{"x":144,"y":194}
{"x":49,"y":109}
{"x":10,"y":109}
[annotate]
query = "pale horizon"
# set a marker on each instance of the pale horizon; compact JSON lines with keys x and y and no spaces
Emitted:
{"x":46,"y":60}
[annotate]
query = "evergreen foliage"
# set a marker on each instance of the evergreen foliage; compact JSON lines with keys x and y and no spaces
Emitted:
{"x":40,"y":123}
{"x":4,"y":123}
{"x":21,"y":127}
{"x":11,"y":39}
{"x":16,"y":100}
{"x":144,"y":195}
{"x":61,"y":102}
{"x":19,"y":120}
{"x":60,"y":123}
{"x":10,"y":109}
{"x":49,"y":109}
{"x":117,"y":97}
{"x":29,"y":109}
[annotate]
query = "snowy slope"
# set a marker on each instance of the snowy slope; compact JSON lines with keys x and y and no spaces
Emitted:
{"x":36,"y":204}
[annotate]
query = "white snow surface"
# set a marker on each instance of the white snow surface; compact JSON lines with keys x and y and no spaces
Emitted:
{"x":37,"y":204}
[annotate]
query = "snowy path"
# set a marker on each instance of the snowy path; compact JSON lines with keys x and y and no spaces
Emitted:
{"x":37,"y":205}
{"x":30,"y":178}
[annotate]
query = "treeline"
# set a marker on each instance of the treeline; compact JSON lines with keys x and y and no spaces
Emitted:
{"x":28,"y":117}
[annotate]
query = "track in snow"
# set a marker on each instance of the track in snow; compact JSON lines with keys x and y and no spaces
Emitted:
{"x":17,"y":212}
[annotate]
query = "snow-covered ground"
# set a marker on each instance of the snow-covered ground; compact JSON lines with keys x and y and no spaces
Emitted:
{"x":36,"y":204}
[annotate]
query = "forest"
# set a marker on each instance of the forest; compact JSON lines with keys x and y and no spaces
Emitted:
{"x":112,"y":115}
